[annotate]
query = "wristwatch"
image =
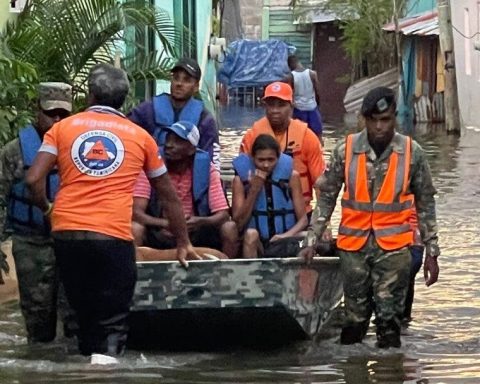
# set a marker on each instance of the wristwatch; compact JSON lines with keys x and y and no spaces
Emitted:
{"x":432,"y":250}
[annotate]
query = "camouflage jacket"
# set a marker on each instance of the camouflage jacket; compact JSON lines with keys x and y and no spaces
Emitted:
{"x":420,"y":185}
{"x":11,"y":171}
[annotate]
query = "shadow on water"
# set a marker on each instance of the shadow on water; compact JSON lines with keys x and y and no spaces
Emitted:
{"x":441,"y":345}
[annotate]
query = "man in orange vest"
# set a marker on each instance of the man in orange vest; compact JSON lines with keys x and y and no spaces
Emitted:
{"x":294,"y":137}
{"x":384,"y":174}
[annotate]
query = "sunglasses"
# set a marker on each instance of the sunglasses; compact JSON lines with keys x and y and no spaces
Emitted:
{"x":58,"y":112}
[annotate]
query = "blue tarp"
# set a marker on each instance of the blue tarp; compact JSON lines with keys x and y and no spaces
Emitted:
{"x":252,"y":63}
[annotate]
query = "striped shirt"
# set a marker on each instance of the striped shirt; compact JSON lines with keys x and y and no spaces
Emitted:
{"x":182,"y":184}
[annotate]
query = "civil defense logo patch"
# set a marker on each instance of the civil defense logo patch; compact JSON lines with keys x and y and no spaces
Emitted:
{"x":98,"y":153}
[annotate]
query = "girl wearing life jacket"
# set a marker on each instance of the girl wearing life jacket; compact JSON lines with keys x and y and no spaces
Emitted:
{"x":267,"y":199}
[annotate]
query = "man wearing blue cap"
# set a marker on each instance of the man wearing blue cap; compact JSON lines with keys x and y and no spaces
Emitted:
{"x":198,"y":186}
{"x":384,"y":175}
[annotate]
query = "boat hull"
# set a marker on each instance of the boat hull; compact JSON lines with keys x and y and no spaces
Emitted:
{"x":267,"y":300}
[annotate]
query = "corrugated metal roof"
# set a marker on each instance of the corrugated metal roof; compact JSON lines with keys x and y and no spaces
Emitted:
{"x":424,"y":24}
{"x":316,"y":16}
{"x":356,"y":92}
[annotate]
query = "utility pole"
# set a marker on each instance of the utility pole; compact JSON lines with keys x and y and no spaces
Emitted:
{"x":452,"y":116}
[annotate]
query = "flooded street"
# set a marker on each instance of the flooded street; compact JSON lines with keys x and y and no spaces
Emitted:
{"x":442,"y":344}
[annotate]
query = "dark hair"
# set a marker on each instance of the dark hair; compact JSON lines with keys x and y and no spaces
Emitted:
{"x":292,"y":61}
{"x":108,"y":85}
{"x":265,"y":142}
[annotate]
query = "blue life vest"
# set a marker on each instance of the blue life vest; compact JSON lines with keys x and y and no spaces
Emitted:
{"x":165,"y":115}
{"x":281,"y":208}
{"x":200,"y":187}
{"x":22,"y":216}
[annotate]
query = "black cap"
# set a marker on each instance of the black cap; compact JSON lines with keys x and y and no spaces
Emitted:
{"x":378,"y":100}
{"x":190,"y":66}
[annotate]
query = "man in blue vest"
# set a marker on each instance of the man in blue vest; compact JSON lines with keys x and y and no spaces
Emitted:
{"x":198,"y":186}
{"x":32,"y":246}
{"x":165,"y":109}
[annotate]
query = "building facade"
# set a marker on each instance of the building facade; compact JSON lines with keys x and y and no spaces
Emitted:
{"x":466,"y":35}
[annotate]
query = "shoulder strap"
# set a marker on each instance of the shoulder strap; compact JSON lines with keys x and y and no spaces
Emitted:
{"x":163,"y":110}
{"x":30,"y":144}
{"x":201,"y":182}
{"x":243,"y":166}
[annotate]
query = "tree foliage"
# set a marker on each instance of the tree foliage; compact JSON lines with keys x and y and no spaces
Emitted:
{"x":60,"y":40}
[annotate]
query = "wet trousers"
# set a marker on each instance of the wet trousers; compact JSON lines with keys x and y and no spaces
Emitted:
{"x":99,"y":278}
{"x":41,"y":295}
{"x":374,"y":279}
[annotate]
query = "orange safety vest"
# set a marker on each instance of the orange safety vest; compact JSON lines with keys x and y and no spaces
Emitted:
{"x":292,"y":146}
{"x":389,"y":215}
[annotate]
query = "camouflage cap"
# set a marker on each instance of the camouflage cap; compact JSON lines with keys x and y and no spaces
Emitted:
{"x":55,"y":95}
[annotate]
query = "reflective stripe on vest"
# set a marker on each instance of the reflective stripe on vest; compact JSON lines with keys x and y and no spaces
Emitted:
{"x":165,"y":115}
{"x":296,"y":134}
{"x":282,"y":210}
{"x":22,"y":216}
{"x":388,"y":216}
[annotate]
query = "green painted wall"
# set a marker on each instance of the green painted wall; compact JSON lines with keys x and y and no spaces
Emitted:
{"x":419,"y":6}
{"x":281,"y":27}
{"x":5,"y":13}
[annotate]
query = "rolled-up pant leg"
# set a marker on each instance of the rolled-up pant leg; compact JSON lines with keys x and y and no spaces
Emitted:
{"x":38,"y":286}
{"x":99,"y":278}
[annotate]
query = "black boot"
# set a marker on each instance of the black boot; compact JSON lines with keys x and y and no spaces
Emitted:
{"x":352,"y":334}
{"x":388,"y":334}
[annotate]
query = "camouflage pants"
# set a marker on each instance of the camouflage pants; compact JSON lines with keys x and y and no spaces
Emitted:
{"x":375,"y":279}
{"x":38,"y":283}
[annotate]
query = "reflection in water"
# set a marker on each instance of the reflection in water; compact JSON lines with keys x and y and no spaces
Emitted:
{"x":442,"y":344}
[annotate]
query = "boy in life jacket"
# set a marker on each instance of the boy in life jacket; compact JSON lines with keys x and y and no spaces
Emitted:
{"x":32,"y":244}
{"x":267,"y":200}
{"x":168,"y":108}
{"x":198,"y":186}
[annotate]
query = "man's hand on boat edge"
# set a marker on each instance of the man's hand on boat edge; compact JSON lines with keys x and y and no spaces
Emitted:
{"x":186,"y":252}
{"x":307,"y":254}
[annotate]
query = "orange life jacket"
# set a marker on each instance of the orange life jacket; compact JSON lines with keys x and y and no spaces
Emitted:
{"x":389,"y":215}
{"x":292,"y":146}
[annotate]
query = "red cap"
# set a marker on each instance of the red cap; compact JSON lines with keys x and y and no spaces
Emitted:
{"x":280,"y":90}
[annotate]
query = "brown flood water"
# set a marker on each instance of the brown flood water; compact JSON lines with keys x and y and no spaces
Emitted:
{"x":442,"y":344}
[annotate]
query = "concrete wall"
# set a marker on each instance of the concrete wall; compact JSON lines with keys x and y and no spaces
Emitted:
{"x":251,"y":13}
{"x":465,"y":18}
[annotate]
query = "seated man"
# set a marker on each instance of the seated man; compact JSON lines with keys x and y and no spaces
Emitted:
{"x":267,"y":200}
{"x":198,"y":186}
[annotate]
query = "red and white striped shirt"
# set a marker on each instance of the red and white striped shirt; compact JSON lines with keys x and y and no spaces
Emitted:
{"x":183,"y":186}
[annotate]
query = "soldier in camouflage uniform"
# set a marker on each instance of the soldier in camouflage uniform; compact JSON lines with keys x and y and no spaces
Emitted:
{"x":29,"y":228}
{"x":374,"y":233}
